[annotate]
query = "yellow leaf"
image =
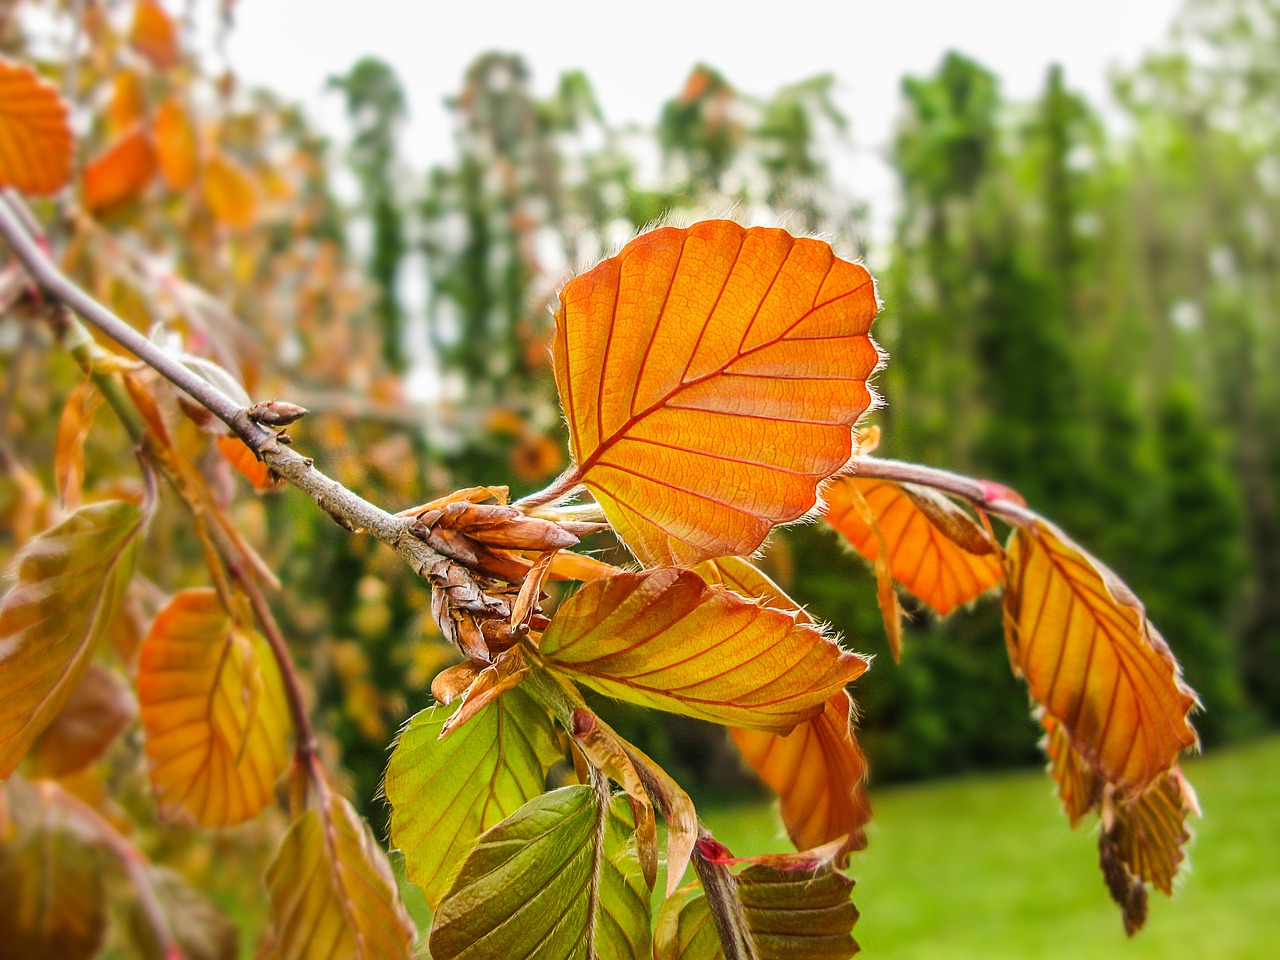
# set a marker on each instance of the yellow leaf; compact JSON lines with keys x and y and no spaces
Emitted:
{"x":665,"y":639}
{"x":711,"y":377}
{"x":936,"y":550}
{"x":229,"y":192}
{"x":36,"y":146}
{"x":332,"y":891}
{"x":1093,"y":661}
{"x":214,"y":712}
{"x":175,"y":145}
{"x":69,"y":583}
{"x":127,"y":105}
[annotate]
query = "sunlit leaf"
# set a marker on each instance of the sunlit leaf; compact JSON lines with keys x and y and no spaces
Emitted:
{"x":246,"y":462}
{"x":332,"y":891}
{"x":96,"y":713}
{"x":1079,"y":784}
{"x":197,"y":928}
{"x":36,"y":147}
{"x":68,"y":455}
{"x":818,"y":771}
{"x":445,"y":793}
{"x":214,"y":711}
{"x":936,"y":550}
{"x":120,"y":172}
{"x":711,"y":377}
{"x":665,"y":639}
{"x":154,"y":34}
{"x":176,"y":147}
{"x":557,"y":879}
{"x":795,"y":906}
{"x":69,"y":583}
{"x":1092,"y":660}
{"x":52,"y":903}
{"x":229,"y":192}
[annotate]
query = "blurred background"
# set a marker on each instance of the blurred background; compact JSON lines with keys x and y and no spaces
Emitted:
{"x":1073,"y":212}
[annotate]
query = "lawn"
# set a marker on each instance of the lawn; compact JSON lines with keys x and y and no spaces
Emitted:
{"x":987,"y":867}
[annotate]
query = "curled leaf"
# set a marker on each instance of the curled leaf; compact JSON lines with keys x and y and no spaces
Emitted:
{"x":711,"y":377}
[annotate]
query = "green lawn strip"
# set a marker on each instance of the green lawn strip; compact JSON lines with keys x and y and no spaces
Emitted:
{"x":984,"y":867}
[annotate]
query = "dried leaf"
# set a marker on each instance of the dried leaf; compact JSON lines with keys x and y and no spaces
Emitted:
{"x":444,"y":793}
{"x":199,"y":930}
{"x":1092,"y":660}
{"x":176,"y":149}
{"x":214,"y":712}
{"x":711,"y":377}
{"x":90,"y":721}
{"x":665,"y":639}
{"x":68,"y":455}
{"x":229,"y":192}
{"x":936,"y":550}
{"x":52,"y":902}
{"x":69,"y":583}
{"x":154,"y":34}
{"x":36,"y":146}
{"x":556,"y":879}
{"x":120,"y":172}
{"x":332,"y":891}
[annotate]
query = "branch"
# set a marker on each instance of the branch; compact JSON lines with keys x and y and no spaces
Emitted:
{"x":956,"y":484}
{"x":348,"y":508}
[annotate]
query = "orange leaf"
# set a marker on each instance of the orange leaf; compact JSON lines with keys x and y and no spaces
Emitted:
{"x":665,"y":639}
{"x":1079,"y":785}
{"x":1092,"y":659}
{"x":68,"y":454}
{"x":246,"y":461}
{"x":1149,"y":833}
{"x":154,"y":34}
{"x":175,"y":145}
{"x":36,"y":146}
{"x":742,"y":576}
{"x":936,"y":550}
{"x":711,"y":377}
{"x":120,"y":172}
{"x":229,"y":192}
{"x":817,"y":771}
{"x":127,"y":104}
{"x":213,"y":707}
{"x":96,"y":713}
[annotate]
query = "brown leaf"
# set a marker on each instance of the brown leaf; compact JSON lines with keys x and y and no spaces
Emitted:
{"x":90,"y":721}
{"x":1093,"y":661}
{"x":36,"y":146}
{"x":52,"y":901}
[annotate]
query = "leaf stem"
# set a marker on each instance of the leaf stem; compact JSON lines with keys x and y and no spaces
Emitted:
{"x":955,"y":484}
{"x":721,"y":888}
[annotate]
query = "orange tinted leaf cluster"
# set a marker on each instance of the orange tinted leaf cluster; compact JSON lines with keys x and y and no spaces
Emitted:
{"x":214,"y":711}
{"x":665,"y":639}
{"x":1093,"y":661}
{"x":711,"y":377}
{"x":36,"y":147}
{"x":935,"y":550}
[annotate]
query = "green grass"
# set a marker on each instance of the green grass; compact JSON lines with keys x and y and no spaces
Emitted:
{"x":989,"y":868}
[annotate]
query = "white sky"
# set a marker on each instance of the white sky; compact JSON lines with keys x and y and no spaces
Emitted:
{"x":637,"y":53}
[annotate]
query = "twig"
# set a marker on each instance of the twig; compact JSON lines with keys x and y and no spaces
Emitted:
{"x":944,"y":480}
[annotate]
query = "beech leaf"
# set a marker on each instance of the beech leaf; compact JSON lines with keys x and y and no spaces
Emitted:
{"x":52,"y":902}
{"x":176,"y":149}
{"x":936,"y":550}
{"x":154,"y":34}
{"x":68,"y":455}
{"x":120,"y":172}
{"x":1093,"y":661}
{"x":665,"y":639}
{"x":69,"y":583}
{"x":96,"y":713}
{"x":229,"y":192}
{"x":36,"y":146}
{"x":445,"y":793}
{"x":333,"y":893}
{"x":711,"y":377}
{"x":557,"y":879}
{"x":214,"y":711}
{"x":199,"y":930}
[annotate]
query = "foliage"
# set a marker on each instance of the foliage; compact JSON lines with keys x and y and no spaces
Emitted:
{"x":711,"y":378}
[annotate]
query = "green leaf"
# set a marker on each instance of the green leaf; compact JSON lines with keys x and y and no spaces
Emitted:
{"x":667,"y":640}
{"x":796,"y":905}
{"x":332,"y":891}
{"x":558,"y":879}
{"x":52,"y":904}
{"x":197,"y":927}
{"x":445,"y":793}
{"x":70,"y":581}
